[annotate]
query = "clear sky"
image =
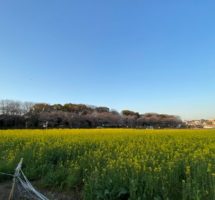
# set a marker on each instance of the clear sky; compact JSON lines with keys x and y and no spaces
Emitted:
{"x":143,"y":55}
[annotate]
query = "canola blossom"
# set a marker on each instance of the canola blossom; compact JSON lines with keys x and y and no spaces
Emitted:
{"x":114,"y":164}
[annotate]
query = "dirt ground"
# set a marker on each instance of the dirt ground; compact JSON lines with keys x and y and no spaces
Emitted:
{"x":5,"y":189}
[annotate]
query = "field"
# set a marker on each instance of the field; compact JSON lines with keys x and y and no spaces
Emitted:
{"x":115,"y":163}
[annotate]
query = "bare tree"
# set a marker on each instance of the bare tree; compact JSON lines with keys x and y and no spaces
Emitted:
{"x":26,"y":107}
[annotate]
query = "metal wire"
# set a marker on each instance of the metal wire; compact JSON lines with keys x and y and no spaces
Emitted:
{"x":6,"y":174}
{"x":22,"y":188}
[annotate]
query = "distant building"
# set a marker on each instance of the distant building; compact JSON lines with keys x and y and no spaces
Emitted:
{"x":207,"y":124}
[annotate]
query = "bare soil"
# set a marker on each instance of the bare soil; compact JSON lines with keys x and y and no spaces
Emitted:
{"x":5,"y":189}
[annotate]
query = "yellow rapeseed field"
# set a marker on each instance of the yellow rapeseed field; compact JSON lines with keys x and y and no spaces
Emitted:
{"x":114,"y":164}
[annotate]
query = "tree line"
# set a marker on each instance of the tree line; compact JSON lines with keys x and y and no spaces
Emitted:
{"x":16,"y":114}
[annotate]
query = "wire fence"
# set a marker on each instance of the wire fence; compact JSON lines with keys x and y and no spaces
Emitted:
{"x":22,"y":189}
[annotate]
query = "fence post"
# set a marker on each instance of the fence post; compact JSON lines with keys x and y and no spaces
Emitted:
{"x":16,"y":174}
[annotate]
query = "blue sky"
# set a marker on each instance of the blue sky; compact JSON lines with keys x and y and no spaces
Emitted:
{"x":147,"y":56}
